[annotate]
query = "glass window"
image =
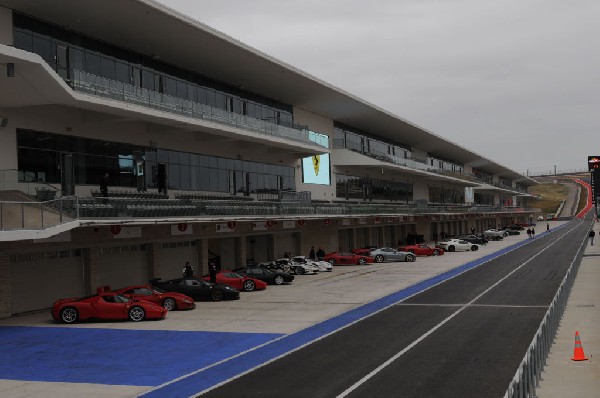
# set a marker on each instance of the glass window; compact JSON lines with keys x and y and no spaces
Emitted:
{"x":148,"y":79}
{"x":236,"y":105}
{"x":42,"y":45}
{"x":182,"y":89}
{"x":23,"y":40}
{"x":204,"y":178}
{"x":123,"y":72}
{"x":107,"y":66}
{"x":93,"y":63}
{"x":76,"y":58}
{"x":220,"y":100}
{"x":213,"y":180}
{"x":170,"y":86}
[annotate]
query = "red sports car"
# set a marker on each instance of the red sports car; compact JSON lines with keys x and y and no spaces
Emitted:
{"x":422,"y":250}
{"x":105,"y":305}
{"x":341,"y":258}
{"x":238,"y":281}
{"x":364,"y":251}
{"x":170,"y":300}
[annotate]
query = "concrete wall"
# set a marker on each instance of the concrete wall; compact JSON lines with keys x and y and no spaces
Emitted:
{"x":8,"y":149}
{"x":6,"y":26}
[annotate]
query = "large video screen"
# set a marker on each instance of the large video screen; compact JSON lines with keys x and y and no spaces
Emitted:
{"x":315,"y":170}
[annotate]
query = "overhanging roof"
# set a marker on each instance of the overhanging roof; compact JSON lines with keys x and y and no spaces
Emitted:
{"x":260,"y":73}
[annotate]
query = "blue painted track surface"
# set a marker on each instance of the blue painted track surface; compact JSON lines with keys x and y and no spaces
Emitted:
{"x":114,"y":356}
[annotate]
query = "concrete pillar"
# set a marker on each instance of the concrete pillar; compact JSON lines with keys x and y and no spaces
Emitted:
{"x":91,"y":269}
{"x":6,"y":27}
{"x":240,"y":250}
{"x":153,"y":260}
{"x":5,"y":287}
{"x":202,"y":256}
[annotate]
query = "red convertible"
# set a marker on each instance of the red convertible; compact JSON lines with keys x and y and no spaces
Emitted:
{"x":341,"y":258}
{"x":238,"y":281}
{"x":170,"y":300}
{"x":105,"y":305}
{"x":422,"y":250}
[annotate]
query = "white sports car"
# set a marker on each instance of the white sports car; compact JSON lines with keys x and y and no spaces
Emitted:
{"x":300,"y":268}
{"x":323,"y":266}
{"x":457,"y":244}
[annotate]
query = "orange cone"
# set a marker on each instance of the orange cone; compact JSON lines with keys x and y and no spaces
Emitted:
{"x":578,"y":354}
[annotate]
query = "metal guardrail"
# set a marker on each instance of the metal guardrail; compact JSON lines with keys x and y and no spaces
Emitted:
{"x":88,"y":83}
{"x":528,"y":375}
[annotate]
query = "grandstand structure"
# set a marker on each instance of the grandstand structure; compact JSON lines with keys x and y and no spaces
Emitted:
{"x":214,"y":152}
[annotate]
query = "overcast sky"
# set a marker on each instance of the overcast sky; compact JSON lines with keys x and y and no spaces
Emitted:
{"x":517,"y":81}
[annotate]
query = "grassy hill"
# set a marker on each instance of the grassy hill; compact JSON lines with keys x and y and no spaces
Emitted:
{"x":551,"y":195}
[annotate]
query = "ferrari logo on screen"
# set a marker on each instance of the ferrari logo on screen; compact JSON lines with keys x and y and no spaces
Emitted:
{"x":593,"y":162}
{"x":316,"y":161}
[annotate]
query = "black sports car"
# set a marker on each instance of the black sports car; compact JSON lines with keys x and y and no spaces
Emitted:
{"x":198,"y":289}
{"x":479,"y":239}
{"x":272,"y":277}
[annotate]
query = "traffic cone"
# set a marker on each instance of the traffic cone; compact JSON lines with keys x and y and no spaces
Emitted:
{"x":578,"y":354}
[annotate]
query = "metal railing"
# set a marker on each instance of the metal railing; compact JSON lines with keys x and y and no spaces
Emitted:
{"x":19,"y":215}
{"x":528,"y":375}
{"x":91,"y":84}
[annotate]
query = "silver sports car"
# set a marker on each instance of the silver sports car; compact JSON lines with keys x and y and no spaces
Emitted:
{"x":388,"y":254}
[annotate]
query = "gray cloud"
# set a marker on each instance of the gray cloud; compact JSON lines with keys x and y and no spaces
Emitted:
{"x":515,"y":81}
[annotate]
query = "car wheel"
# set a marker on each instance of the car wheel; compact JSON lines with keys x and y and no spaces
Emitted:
{"x":169,"y":304}
{"x":436,"y":252}
{"x":474,"y":248}
{"x":451,"y":248}
{"x":217,"y":295}
{"x":69,"y":315}
{"x":137,"y":313}
{"x":249,"y":286}
{"x":299,"y":270}
{"x":331,"y":261}
{"x":410,"y":258}
{"x":362,"y":261}
{"x":379,"y":258}
{"x":278,"y":280}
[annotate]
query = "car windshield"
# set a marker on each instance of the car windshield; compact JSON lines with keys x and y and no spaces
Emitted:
{"x":158,"y":290}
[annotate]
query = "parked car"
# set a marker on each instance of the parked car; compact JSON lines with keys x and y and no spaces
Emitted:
{"x":301,"y":267}
{"x":422,"y":250}
{"x":271,"y":277}
{"x":388,"y":254}
{"x":105,"y":305}
{"x":237,"y":281}
{"x":322,"y":266}
{"x":364,"y":250}
{"x":479,"y":239}
{"x":495,"y":234}
{"x":281,"y":264}
{"x":348,"y":258}
{"x":511,"y":231}
{"x":457,"y":245}
{"x":170,"y":300}
{"x":198,"y":289}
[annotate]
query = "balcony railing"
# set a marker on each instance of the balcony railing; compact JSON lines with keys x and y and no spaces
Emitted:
{"x":18,"y":215}
{"x":91,"y":84}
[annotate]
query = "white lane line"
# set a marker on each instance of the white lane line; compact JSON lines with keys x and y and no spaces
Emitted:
{"x":442,"y":323}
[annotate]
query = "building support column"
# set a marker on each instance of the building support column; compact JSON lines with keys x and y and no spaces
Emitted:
{"x":202,"y":256}
{"x":240,"y":250}
{"x":5,"y":287}
{"x":91,"y":269}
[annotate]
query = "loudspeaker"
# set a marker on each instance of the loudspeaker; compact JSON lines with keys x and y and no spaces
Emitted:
{"x":10,"y":70}
{"x":3,"y":122}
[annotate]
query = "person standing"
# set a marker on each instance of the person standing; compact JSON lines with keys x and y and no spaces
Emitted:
{"x":312,"y":254}
{"x":188,"y":270}
{"x":532,"y":233}
{"x":320,"y":254}
{"x":104,"y":188}
{"x":547,"y":227}
{"x":212,"y":271}
{"x":528,"y":233}
{"x":591,"y":235}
